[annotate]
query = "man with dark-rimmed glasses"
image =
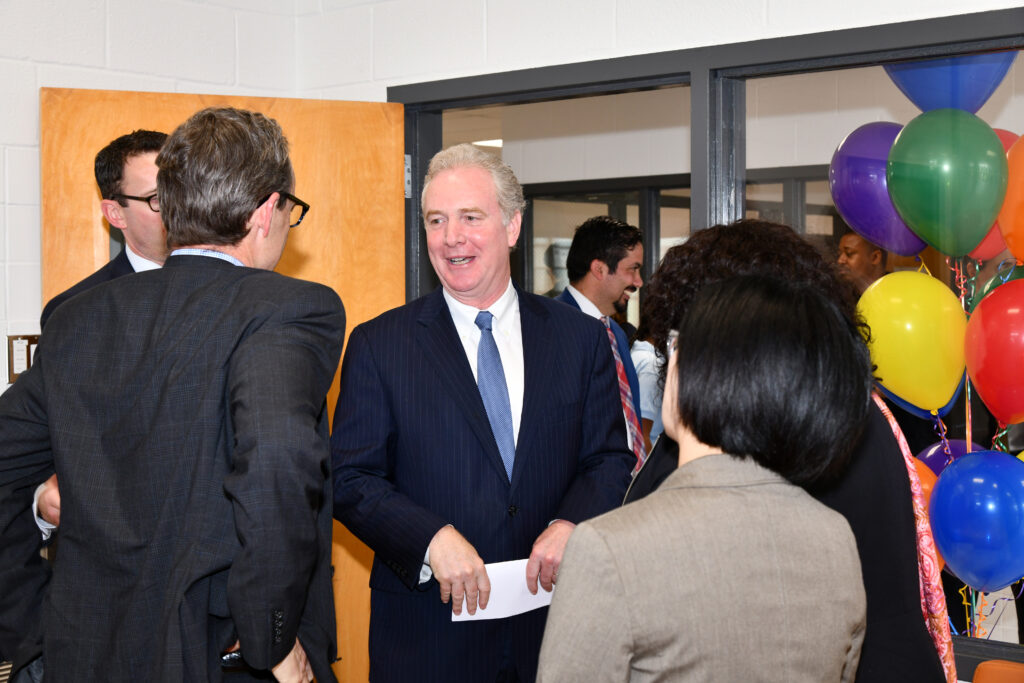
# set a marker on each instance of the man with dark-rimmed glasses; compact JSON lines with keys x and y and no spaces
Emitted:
{"x":184,"y":408}
{"x":126,"y":174}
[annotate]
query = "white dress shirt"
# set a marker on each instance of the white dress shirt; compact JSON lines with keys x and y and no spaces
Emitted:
{"x":508,"y":336}
{"x":507,"y":330}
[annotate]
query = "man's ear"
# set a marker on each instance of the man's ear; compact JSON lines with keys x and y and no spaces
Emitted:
{"x":876,"y":256}
{"x":513,"y":228}
{"x":263,"y":215}
{"x":598,"y":268}
{"x":114,"y":213}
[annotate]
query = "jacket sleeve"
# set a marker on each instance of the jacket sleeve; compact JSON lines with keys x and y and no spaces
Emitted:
{"x":25,"y":462}
{"x":366,"y":499}
{"x":278,"y":377}
{"x":605,"y":460}
{"x":588,"y":636}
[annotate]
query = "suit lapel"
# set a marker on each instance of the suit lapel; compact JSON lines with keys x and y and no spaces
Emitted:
{"x":537,"y":372}
{"x":436,"y":335}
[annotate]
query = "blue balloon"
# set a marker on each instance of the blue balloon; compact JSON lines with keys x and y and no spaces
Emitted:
{"x":920,"y":412}
{"x":964,"y":82}
{"x":977,"y":515}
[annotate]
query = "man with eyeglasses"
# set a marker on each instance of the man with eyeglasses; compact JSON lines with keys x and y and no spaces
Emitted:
{"x":126,"y":174}
{"x":184,"y":408}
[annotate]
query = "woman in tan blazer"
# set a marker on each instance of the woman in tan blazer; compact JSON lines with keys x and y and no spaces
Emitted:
{"x":730,"y":571}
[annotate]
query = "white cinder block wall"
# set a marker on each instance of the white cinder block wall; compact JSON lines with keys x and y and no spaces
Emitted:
{"x":333,"y":49}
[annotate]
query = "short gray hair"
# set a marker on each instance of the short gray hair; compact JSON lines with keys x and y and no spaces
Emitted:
{"x":506,"y":186}
{"x":215,"y":170}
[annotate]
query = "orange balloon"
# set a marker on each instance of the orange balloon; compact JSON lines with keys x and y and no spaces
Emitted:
{"x":928,"y":479}
{"x":1011,"y":216}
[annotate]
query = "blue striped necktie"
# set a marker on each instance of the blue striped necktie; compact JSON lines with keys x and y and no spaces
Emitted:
{"x":493,"y":390}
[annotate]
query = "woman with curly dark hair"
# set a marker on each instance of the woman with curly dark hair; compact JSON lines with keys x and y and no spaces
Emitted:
{"x":876,"y":490}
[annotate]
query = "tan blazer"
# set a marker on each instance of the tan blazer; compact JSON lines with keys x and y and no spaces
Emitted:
{"x":726,"y":573}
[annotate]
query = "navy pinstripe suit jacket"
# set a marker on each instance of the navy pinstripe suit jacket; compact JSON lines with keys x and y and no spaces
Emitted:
{"x":413,"y":451}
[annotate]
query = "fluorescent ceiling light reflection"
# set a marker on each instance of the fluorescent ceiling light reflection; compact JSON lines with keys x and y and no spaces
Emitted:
{"x":488,"y":143}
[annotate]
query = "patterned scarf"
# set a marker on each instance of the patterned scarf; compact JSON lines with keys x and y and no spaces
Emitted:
{"x":933,"y":600}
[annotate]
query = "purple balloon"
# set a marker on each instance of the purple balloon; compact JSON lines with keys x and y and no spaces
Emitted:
{"x":935,"y":455}
{"x":860,"y":191}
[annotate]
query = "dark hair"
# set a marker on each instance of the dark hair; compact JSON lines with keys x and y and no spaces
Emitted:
{"x":109,"y":165}
{"x":215,"y":170}
{"x":601,"y":237}
{"x":746,"y":247}
{"x":775,"y":372}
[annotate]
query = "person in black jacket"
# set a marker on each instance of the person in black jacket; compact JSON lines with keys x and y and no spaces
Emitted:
{"x":873,"y":493}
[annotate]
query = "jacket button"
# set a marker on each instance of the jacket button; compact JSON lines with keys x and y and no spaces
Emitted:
{"x":512,"y":510}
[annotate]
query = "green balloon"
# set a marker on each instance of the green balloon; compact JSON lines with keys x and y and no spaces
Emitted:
{"x":947,"y":176}
{"x":1015,"y":273}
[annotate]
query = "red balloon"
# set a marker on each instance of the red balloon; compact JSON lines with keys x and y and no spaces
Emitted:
{"x":994,"y":351}
{"x":993,"y":244}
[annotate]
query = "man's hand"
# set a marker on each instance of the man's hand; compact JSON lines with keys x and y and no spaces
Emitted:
{"x":48,"y":506}
{"x":459,"y":570}
{"x":294,"y":668}
{"x":546,"y":555}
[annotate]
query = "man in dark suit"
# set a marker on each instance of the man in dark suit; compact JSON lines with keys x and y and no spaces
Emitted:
{"x":477,"y":424}
{"x":603,"y":264}
{"x":125,"y":172}
{"x":183,"y":411}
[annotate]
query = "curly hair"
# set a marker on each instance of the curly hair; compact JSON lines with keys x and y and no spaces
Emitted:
{"x":746,"y":247}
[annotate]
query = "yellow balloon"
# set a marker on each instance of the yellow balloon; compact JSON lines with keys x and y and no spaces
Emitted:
{"x":917,"y":337}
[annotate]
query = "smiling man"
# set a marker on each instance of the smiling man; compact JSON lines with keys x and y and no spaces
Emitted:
{"x":477,"y":424}
{"x":604,"y":264}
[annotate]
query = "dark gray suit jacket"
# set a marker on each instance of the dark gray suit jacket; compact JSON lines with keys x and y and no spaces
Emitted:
{"x":118,"y":266}
{"x":183,"y":409}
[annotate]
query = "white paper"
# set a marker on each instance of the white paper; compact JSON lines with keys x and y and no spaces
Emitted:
{"x":509,"y":594}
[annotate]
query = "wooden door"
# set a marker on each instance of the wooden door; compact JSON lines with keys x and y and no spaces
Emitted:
{"x":348,"y":160}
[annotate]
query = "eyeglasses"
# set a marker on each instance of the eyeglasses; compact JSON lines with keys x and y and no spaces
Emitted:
{"x":299,"y":208}
{"x":153,"y":200}
{"x":672,"y":343}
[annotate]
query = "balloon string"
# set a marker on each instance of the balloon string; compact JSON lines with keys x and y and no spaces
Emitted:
{"x":965,"y":592}
{"x":967,"y":415}
{"x":923,"y":267}
{"x":979,"y":611}
{"x":999,"y":440}
{"x":940,"y":430}
{"x":957,"y":266}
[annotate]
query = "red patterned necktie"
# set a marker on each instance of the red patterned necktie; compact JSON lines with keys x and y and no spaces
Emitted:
{"x":632,"y":422}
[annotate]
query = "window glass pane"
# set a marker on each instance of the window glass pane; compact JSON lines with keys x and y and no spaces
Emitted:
{"x":675,"y":218}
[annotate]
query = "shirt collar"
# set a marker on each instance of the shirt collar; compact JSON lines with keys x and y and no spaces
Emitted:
{"x":212,"y":253}
{"x":466,"y":315}
{"x":139,"y":263}
{"x":585,"y":304}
